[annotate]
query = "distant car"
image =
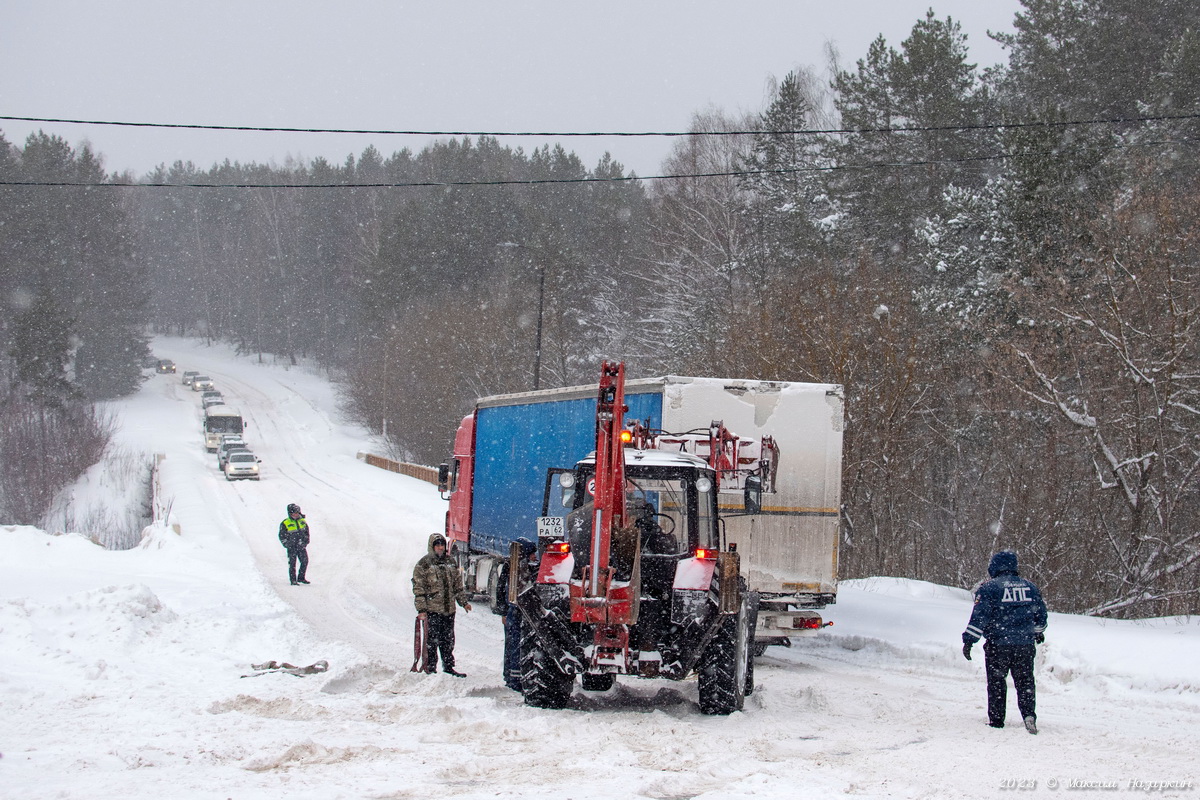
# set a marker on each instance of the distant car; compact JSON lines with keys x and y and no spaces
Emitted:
{"x":231,"y":443}
{"x":232,"y":438}
{"x":203,"y":383}
{"x":211,"y":398}
{"x":241,"y":465}
{"x":164,"y":366}
{"x":187,"y":377}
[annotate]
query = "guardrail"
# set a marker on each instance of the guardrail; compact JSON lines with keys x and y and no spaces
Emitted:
{"x":418,"y":471}
{"x":160,"y":507}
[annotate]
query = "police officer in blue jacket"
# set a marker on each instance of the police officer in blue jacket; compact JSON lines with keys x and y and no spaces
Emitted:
{"x":1010,"y":614}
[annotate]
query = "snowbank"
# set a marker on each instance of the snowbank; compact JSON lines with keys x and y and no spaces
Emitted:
{"x":122,"y":670}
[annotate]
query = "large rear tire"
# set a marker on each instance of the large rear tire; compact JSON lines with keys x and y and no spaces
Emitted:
{"x":723,"y":666}
{"x":542,"y":682}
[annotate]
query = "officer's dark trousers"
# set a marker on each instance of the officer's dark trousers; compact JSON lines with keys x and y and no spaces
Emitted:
{"x":297,"y":554}
{"x":512,"y":648}
{"x":1000,"y":660}
{"x":439,"y":639}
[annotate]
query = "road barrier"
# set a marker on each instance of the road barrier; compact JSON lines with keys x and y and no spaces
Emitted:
{"x":418,"y":471}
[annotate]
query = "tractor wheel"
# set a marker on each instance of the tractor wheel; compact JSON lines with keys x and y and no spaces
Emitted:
{"x":751,"y":648}
{"x":723,"y":665}
{"x":542,"y":682}
{"x":597,"y":683}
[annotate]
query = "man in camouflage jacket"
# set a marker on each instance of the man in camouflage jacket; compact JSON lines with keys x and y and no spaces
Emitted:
{"x":437,"y":587}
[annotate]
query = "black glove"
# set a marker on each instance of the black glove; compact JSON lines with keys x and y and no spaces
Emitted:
{"x":1039,"y":639}
{"x":967,"y":650}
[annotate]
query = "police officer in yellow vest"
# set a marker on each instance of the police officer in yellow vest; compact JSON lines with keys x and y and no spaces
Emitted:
{"x":293,"y":535}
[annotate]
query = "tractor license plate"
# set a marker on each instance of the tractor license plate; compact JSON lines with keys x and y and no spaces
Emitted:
{"x":550,"y":527}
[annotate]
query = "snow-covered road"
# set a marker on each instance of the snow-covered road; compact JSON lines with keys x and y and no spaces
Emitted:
{"x":122,"y":671}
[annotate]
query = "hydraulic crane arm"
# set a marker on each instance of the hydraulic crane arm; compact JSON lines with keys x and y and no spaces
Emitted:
{"x":610,"y":473}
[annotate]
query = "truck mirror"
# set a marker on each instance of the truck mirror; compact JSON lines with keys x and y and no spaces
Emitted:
{"x":753,"y":494}
{"x":443,"y":478}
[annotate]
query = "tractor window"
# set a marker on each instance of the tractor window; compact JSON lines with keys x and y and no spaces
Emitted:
{"x":674,"y":510}
{"x":658,"y":507}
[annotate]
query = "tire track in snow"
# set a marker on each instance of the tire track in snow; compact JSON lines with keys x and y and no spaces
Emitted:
{"x":347,"y":600}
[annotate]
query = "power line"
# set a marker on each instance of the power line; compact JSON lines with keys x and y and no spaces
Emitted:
{"x":628,"y":134}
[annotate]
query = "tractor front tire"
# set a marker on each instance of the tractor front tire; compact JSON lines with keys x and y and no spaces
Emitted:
{"x":723,"y":665}
{"x":751,"y":610}
{"x":542,"y":682}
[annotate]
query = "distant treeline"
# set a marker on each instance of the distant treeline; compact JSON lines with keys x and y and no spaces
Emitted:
{"x":1000,"y":267}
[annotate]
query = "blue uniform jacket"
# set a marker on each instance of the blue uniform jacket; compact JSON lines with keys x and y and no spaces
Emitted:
{"x":1009,"y":610}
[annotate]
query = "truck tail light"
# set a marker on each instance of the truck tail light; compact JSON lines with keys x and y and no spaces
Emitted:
{"x":558,"y":548}
{"x":807,"y":623}
{"x":707,"y":553}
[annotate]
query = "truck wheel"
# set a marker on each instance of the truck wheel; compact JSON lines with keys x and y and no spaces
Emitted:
{"x":723,"y":666}
{"x":597,"y":683}
{"x":542,"y":682}
{"x":495,"y":603}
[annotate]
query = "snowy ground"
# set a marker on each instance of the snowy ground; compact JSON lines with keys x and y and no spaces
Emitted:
{"x":122,"y":672}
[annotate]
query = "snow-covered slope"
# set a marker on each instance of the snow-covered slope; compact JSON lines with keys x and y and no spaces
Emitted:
{"x":122,"y":672}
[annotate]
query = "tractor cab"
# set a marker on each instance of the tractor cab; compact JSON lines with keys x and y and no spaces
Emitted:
{"x":669,"y":502}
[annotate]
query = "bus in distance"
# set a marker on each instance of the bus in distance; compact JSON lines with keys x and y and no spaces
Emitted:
{"x":220,"y":420}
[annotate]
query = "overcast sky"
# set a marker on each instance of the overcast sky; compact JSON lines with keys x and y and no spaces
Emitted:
{"x":607,"y":65}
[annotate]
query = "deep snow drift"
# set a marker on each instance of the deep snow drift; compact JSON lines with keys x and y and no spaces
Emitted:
{"x":122,"y":672}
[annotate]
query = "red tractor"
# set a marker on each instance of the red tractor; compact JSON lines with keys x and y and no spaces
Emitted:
{"x":633,"y":578}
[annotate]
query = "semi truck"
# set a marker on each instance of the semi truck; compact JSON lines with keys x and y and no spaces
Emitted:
{"x":787,"y":536}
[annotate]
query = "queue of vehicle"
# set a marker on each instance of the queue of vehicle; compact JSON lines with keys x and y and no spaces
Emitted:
{"x":222,"y":426}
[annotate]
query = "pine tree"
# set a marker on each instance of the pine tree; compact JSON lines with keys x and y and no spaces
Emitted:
{"x":75,"y":244}
{"x":887,"y":180}
{"x":41,"y":352}
{"x":789,"y":204}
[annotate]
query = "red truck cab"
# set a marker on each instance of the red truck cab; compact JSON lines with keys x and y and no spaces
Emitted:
{"x":456,"y":479}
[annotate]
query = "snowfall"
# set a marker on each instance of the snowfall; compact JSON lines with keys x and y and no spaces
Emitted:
{"x":135,"y":673}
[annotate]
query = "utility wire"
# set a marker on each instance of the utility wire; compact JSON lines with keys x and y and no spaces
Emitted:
{"x":544,"y":181}
{"x":802,"y":132}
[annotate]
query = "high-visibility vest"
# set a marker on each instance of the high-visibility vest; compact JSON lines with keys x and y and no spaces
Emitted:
{"x":294,"y":525}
